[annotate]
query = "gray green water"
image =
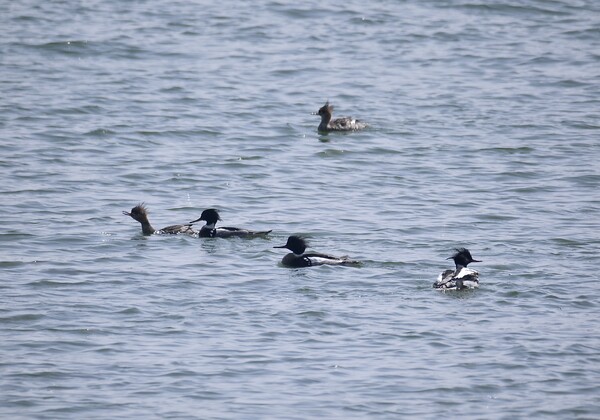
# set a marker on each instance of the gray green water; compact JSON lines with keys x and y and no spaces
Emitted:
{"x":485,"y":134}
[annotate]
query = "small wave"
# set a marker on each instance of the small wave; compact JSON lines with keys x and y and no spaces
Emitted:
{"x":64,"y":47}
{"x":55,"y":283}
{"x":19,"y":318}
{"x":512,"y":9}
{"x":510,"y":150}
{"x":100,"y":132}
{"x":130,"y":311}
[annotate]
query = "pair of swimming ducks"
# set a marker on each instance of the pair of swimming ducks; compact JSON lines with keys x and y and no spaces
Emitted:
{"x":458,"y":279}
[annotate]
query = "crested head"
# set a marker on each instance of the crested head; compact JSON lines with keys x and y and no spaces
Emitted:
{"x":210,"y":216}
{"x":463,"y":257}
{"x":139,"y":212}
{"x":325,"y":109}
{"x":296,"y":244}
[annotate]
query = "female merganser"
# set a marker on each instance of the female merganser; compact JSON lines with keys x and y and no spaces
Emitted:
{"x":140,"y":213}
{"x":339,"y":124}
{"x":460,"y":278}
{"x":211,"y":216}
{"x":298,"y":258}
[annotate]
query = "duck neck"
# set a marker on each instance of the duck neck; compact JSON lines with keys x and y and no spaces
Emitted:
{"x":147,"y":228}
{"x":298,"y":252}
{"x":325,"y":118}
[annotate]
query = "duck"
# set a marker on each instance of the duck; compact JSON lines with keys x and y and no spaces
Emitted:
{"x":209,"y":230}
{"x":338,"y":124}
{"x":140,"y":213}
{"x":461,"y":277}
{"x":297,"y":258}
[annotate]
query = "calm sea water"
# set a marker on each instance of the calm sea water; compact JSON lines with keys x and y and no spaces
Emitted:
{"x":485,"y":133}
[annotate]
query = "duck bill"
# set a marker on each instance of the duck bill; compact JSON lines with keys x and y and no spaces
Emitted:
{"x":281,"y":246}
{"x":476,"y":261}
{"x":194,"y":221}
{"x":126,"y":213}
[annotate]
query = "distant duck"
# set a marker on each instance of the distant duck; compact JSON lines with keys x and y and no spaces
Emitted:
{"x":338,"y":124}
{"x":298,"y":258}
{"x":209,"y":230}
{"x":140,"y":213}
{"x":461,"y":277}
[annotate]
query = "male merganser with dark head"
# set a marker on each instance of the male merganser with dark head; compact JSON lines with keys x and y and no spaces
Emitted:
{"x":209,"y":230}
{"x":140,"y":213}
{"x":460,"y":278}
{"x":298,"y":258}
{"x":339,"y":124}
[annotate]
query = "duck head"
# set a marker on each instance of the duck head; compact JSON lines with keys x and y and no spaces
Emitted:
{"x":295,"y":244}
{"x":139,"y":213}
{"x":210,"y":216}
{"x":326,"y":110}
{"x":462,"y":257}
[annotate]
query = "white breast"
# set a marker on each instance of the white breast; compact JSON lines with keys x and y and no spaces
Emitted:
{"x":321,"y":261}
{"x":466,"y":272}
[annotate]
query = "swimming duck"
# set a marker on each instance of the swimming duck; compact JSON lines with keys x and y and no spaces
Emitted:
{"x":461,"y":277}
{"x":298,"y":258}
{"x":140,"y":213}
{"x":339,"y":124}
{"x":209,"y":230}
